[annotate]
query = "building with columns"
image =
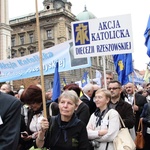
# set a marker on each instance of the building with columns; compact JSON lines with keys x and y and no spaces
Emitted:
{"x":55,"y":27}
{"x":5,"y":31}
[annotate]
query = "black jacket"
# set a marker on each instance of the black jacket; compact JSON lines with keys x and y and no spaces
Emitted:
{"x":67,"y":136}
{"x":10,"y":110}
{"x":90,"y":103}
{"x":140,"y":101}
{"x":25,"y":145}
{"x":126,"y":112}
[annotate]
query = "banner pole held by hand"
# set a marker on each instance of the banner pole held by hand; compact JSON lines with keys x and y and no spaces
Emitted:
{"x":41,"y":60}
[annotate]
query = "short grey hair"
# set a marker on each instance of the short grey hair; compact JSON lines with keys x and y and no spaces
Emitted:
{"x":87,"y":87}
{"x":71,"y":95}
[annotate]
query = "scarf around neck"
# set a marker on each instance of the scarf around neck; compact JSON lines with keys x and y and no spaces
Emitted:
{"x":100,"y":115}
{"x":64,"y":127}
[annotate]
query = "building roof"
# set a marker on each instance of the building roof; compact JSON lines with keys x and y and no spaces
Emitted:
{"x":85,"y":15}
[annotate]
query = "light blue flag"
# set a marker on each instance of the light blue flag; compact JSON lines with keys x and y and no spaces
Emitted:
{"x":124,"y":67}
{"x":56,"y":85}
{"x":147,"y":37}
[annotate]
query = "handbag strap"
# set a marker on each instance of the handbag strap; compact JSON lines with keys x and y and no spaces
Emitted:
{"x":140,"y":125}
{"x":122,"y":122}
{"x":107,"y":146}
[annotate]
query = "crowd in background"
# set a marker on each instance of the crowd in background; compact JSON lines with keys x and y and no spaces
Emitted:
{"x":81,"y":119}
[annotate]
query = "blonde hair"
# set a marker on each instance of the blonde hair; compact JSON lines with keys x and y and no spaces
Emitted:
{"x":71,"y":95}
{"x":105,"y":91}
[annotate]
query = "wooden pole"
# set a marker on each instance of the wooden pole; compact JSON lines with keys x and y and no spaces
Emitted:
{"x":104,"y":66}
{"x":91,"y":76}
{"x":41,"y":60}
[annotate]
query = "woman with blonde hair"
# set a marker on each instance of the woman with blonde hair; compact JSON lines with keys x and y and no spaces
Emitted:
{"x":104,"y":124}
{"x":66,"y":131}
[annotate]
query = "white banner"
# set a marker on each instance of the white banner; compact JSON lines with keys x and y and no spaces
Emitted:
{"x":104,"y":36}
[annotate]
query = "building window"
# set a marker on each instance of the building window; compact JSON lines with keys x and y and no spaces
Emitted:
{"x":13,"y":41}
{"x":22,"y":39}
{"x":31,"y":37}
{"x":13,"y":53}
{"x":49,"y":34}
{"x":22,"y":53}
{"x":32,"y":51}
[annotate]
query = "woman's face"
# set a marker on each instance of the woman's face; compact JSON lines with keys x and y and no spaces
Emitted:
{"x":66,"y":107}
{"x":35,"y":106}
{"x":101,"y":100}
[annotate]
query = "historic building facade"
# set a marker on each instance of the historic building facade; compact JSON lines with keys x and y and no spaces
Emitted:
{"x":55,"y":27}
{"x":5,"y":31}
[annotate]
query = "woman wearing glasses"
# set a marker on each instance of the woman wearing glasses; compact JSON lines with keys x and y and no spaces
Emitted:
{"x":104,"y":124}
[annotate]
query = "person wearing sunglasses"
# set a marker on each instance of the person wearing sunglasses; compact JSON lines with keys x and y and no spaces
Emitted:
{"x":119,"y":104}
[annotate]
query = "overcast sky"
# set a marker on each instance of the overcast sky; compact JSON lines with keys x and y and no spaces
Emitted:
{"x":139,"y":10}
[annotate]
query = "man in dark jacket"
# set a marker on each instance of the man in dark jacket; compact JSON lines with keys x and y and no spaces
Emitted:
{"x":118,"y":103}
{"x":136,"y":100}
{"x":10,"y":119}
{"x":87,"y":97}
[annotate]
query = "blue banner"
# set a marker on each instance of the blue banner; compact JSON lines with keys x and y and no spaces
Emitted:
{"x":29,"y":66}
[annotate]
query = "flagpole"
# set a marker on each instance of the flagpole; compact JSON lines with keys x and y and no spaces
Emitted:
{"x":41,"y":60}
{"x":134,"y":103}
{"x":104,"y":66}
{"x":91,"y":75}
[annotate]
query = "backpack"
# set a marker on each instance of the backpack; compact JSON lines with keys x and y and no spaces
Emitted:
{"x":123,"y":141}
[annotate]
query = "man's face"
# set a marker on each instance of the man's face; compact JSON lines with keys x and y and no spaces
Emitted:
{"x":4,"y":88}
{"x":90,"y":92}
{"x":129,"y":88}
{"x":109,"y":77}
{"x":115,"y":90}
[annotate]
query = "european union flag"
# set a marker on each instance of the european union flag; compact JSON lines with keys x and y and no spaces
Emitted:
{"x":85,"y":79}
{"x":64,"y":82}
{"x":123,"y":64}
{"x":56,"y":85}
{"x":147,"y":37}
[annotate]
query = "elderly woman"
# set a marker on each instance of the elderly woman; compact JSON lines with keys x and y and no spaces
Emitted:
{"x":82,"y":111}
{"x":66,"y":131}
{"x":104,"y":124}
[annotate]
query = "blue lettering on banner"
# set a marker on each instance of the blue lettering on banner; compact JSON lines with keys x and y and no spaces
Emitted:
{"x":48,"y":66}
{"x":109,"y":25}
{"x":28,"y":60}
{"x":81,"y":32}
{"x":47,"y":55}
{"x":35,"y":58}
{"x":115,"y":34}
{"x":9,"y":65}
{"x":85,"y":50}
{"x":114,"y":47}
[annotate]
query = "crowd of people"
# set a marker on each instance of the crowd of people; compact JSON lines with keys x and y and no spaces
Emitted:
{"x":83,"y":118}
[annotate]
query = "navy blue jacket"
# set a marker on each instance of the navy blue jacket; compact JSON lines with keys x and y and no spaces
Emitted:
{"x":10,"y":114}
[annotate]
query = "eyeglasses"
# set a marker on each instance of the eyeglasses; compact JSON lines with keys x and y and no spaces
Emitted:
{"x":114,"y":88}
